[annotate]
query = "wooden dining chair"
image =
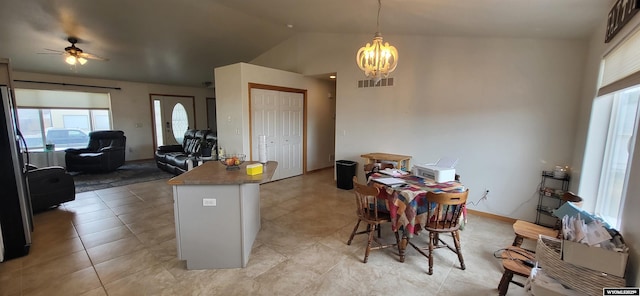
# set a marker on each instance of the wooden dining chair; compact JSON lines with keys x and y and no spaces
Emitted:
{"x":444,"y":214}
{"x":367,"y":211}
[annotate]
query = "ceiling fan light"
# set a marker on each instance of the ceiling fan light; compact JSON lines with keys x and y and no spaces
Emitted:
{"x":71,"y":60}
{"x":82,"y":61}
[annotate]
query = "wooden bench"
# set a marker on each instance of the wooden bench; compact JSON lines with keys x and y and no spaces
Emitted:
{"x":513,"y":262}
{"x":528,"y":230}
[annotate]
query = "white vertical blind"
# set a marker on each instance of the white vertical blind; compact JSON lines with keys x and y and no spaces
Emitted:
{"x":621,"y":66}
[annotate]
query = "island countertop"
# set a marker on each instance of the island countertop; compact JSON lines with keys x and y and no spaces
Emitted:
{"x":215,"y":173}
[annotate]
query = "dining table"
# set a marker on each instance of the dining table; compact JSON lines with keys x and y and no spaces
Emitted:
{"x":406,"y":202}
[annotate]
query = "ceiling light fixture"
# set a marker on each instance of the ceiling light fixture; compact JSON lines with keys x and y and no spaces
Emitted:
{"x":72,"y":60}
{"x":377,"y":60}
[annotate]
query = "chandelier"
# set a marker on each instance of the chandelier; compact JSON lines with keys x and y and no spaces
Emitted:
{"x":378,"y":59}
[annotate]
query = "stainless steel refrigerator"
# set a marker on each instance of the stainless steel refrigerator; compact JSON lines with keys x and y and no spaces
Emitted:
{"x":15,"y":204}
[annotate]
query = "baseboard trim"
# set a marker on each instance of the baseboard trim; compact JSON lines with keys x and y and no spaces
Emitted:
{"x":492,"y":216}
{"x":318,"y":170}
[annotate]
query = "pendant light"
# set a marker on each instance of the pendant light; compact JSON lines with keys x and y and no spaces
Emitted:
{"x":377,"y":59}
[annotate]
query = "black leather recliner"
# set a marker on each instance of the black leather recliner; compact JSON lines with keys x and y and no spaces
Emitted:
{"x":49,"y":187}
{"x":105,"y":153}
{"x":173,"y":158}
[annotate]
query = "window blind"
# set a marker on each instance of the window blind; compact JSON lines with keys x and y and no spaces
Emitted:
{"x":61,"y":99}
{"x":621,"y":66}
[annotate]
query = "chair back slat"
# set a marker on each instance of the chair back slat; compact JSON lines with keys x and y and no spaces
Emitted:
{"x":445,"y":209}
{"x":366,"y":200}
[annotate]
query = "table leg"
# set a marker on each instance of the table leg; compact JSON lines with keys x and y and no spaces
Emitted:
{"x":403,"y":247}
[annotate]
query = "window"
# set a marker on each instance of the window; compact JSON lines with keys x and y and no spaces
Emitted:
{"x":157,"y":119}
{"x":617,"y":152}
{"x":62,"y":127}
{"x":100,"y":119}
{"x":76,"y":121}
{"x":179,"y":121}
{"x":62,"y":118}
{"x":613,"y":128}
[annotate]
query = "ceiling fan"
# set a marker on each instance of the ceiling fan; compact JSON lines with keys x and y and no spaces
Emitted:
{"x":75,"y":55}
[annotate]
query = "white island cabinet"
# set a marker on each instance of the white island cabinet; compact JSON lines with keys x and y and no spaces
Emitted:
{"x":217,"y":214}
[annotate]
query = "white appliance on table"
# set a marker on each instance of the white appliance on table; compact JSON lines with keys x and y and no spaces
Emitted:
{"x":441,"y":171}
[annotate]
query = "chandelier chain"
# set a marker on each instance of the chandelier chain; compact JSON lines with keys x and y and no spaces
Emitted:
{"x":378,"y":19}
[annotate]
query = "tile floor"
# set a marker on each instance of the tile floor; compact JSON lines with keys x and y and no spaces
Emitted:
{"x":121,"y":241}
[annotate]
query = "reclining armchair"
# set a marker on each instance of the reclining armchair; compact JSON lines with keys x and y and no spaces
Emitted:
{"x":173,"y":158}
{"x":105,"y":153}
{"x":49,"y":187}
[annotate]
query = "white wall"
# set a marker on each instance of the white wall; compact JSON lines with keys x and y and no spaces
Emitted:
{"x":505,"y":107}
{"x":232,"y":101}
{"x":130,"y":106}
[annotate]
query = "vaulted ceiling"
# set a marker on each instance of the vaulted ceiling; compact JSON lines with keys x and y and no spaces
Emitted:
{"x":180,"y":42}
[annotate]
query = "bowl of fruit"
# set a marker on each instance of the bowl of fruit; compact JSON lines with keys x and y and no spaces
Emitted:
{"x":232,"y":161}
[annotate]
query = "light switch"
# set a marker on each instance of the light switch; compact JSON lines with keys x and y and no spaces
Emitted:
{"x":209,"y":202}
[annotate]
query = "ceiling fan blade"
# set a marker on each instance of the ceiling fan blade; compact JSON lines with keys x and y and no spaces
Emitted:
{"x":93,"y":57}
{"x":54,"y":51}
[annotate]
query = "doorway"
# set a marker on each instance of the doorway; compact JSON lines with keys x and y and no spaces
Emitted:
{"x":211,"y":115}
{"x":172,"y":116}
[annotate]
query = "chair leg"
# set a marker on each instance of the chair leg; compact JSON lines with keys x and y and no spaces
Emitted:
{"x":371,"y":234}
{"x":355,"y":229}
{"x":378,"y":226}
{"x":507,"y":276}
{"x":432,"y":237}
{"x":404,"y":242}
{"x":456,"y":242}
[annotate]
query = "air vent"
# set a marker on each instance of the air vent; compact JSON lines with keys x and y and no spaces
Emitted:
{"x":372,"y":83}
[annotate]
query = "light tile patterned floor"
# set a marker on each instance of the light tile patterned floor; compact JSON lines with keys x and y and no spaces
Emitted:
{"x":121,"y":241}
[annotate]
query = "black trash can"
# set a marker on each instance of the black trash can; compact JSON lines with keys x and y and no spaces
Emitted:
{"x":345,"y":170}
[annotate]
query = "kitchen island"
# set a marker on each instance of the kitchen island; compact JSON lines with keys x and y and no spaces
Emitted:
{"x":217,"y":214}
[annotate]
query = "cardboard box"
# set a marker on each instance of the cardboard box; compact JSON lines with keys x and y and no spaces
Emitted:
{"x":603,"y":260}
{"x":254,"y":169}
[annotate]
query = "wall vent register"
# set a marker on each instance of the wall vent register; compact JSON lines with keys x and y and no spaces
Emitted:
{"x":373,"y":83}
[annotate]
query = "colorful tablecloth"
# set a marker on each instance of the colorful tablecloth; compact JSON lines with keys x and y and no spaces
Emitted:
{"x":407,"y":205}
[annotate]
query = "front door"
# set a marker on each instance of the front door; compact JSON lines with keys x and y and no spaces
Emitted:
{"x":173,"y":115}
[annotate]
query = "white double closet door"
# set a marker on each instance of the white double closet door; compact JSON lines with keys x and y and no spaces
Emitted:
{"x":278,"y":115}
